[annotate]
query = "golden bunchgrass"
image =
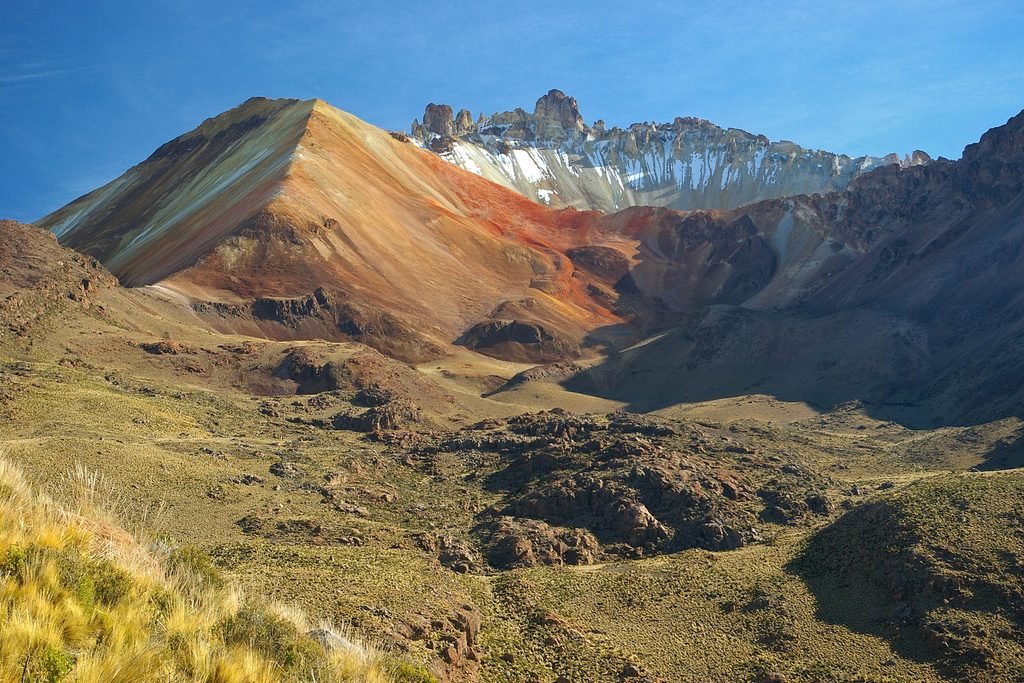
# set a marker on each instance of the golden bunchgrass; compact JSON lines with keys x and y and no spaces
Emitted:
{"x":83,"y":599}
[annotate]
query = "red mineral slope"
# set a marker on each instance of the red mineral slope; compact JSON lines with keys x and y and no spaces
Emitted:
{"x":336,"y":228}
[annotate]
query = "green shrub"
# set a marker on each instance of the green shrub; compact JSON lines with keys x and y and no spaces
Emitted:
{"x":93,"y":581}
{"x":195,"y":566}
{"x":14,"y":562}
{"x":272,"y":636}
{"x":49,"y":666}
{"x":407,"y":672}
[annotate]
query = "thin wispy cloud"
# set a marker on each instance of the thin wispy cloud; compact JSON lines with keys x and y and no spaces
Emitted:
{"x":26,"y":62}
{"x":27,"y":76}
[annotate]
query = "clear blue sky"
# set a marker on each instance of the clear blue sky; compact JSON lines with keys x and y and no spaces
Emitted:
{"x":90,"y":88}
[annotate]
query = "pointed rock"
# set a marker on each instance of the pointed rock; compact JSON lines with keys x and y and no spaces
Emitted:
{"x":464,"y":123}
{"x":557,"y":114}
{"x":437,"y":118}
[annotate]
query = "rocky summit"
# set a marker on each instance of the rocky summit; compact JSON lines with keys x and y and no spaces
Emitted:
{"x":553,"y":157}
{"x":515,"y":398}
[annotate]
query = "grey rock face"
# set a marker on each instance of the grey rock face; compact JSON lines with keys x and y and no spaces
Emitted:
{"x":555,"y":158}
{"x":464,"y":123}
{"x":557,"y":115}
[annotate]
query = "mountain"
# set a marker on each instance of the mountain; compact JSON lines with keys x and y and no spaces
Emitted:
{"x":325,"y":475}
{"x":291,"y":219}
{"x":294,"y":219}
{"x":552,"y":156}
{"x":903,"y":291}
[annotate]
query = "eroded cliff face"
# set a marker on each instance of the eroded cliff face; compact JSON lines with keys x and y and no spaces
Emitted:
{"x":552,"y":156}
{"x":902,"y":291}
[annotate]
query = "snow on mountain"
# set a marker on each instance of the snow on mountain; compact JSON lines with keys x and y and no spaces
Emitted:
{"x":553,"y":157}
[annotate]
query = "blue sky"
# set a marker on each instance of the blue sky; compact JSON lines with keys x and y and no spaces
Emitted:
{"x":90,"y":88}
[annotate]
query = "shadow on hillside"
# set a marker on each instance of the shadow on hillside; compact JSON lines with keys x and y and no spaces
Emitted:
{"x":898,"y":570}
{"x":1005,"y":454}
{"x":860,"y":586}
{"x":882,"y":362}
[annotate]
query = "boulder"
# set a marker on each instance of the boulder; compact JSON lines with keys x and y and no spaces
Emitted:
{"x":526,"y":542}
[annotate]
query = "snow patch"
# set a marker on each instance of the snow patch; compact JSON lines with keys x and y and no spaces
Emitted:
{"x":462,"y":157}
{"x":530,"y":164}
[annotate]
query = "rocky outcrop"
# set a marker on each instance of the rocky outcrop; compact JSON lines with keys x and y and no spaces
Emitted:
{"x":516,"y":340}
{"x":437,"y":119}
{"x":311,"y":372}
{"x":454,"y":638}
{"x":605,"y":262}
{"x":556,"y":115}
{"x":580,"y":488}
{"x":589,"y":500}
{"x":40,"y":280}
{"x":170,"y":347}
{"x":552,"y":156}
{"x":464,"y":123}
{"x":515,"y":542}
{"x":372,"y":379}
{"x":325,"y":315}
{"x":395,"y":414}
{"x":451,"y":552}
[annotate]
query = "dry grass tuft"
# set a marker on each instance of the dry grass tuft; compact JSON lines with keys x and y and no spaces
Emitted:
{"x":82,"y":599}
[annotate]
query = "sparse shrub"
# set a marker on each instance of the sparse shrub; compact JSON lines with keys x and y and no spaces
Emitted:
{"x":55,"y":665}
{"x":93,"y":581}
{"x":13,"y":563}
{"x":407,"y":672}
{"x":195,"y":567}
{"x":272,"y":636}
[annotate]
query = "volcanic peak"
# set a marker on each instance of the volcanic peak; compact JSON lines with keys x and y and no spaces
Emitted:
{"x":188,"y":194}
{"x":282,"y":198}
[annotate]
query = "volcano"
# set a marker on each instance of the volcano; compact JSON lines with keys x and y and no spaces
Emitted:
{"x":277,"y":200}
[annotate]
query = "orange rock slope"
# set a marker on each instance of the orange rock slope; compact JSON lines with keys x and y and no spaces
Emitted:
{"x":292,"y":219}
{"x":279,"y":198}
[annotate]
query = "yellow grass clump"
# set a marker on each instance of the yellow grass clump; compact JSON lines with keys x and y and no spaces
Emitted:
{"x":81,"y":599}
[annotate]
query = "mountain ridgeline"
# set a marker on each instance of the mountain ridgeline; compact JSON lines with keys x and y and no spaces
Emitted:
{"x":554,"y":157}
{"x":294,"y":220}
{"x":914,"y":305}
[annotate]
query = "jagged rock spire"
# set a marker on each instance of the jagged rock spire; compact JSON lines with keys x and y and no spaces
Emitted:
{"x":437,"y":118}
{"x":556,"y":114}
